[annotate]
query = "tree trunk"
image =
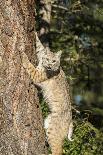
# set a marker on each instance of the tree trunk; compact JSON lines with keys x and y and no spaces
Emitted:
{"x":21,"y":124}
{"x":45,"y":16}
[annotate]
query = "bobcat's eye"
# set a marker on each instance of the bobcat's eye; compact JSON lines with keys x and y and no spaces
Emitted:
{"x":53,"y":61}
{"x":47,"y":59}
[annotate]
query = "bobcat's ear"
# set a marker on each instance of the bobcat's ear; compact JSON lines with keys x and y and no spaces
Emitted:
{"x":59,"y":54}
{"x":47,"y":49}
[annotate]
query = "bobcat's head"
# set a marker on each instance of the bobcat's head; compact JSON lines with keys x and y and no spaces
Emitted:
{"x":51,"y":61}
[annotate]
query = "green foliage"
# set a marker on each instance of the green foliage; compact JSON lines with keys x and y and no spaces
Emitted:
{"x":44,"y":108}
{"x":87,"y":141}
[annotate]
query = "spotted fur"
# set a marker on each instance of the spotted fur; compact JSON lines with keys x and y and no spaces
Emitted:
{"x":58,"y":124}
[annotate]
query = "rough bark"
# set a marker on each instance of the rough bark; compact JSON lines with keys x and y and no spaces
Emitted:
{"x":21,"y":124}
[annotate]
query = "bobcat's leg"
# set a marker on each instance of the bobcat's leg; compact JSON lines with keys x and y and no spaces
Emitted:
{"x":54,"y":136}
{"x":56,"y":147}
{"x":35,"y":73}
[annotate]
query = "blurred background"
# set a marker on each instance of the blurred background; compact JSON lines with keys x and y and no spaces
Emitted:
{"x":76,"y":28}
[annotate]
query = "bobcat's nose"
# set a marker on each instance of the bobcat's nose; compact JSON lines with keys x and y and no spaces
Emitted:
{"x":49,"y":68}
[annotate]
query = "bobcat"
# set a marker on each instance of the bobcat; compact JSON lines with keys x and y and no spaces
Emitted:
{"x":51,"y":78}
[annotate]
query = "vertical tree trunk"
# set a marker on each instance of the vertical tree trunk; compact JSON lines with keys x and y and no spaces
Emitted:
{"x":21,"y":124}
{"x":44,"y":26}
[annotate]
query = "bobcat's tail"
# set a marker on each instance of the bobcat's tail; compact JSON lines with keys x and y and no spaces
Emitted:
{"x":70,"y":132}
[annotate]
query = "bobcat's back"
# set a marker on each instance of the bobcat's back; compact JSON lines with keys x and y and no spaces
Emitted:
{"x":59,"y":121}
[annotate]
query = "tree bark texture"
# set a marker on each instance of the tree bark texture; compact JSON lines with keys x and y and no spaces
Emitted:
{"x":21,"y":124}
